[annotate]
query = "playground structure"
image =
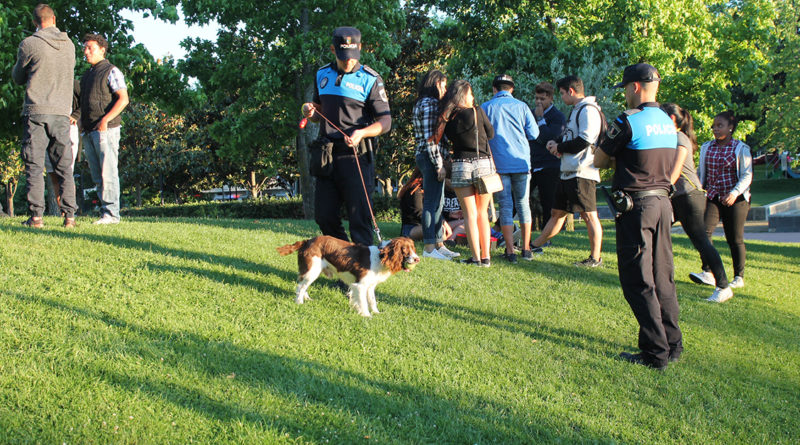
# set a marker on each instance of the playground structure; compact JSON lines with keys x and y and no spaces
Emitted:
{"x":777,"y":163}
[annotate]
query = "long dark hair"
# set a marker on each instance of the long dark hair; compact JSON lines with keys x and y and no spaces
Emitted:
{"x":428,"y":86}
{"x":414,"y":183}
{"x":450,"y":105}
{"x":683,"y":120}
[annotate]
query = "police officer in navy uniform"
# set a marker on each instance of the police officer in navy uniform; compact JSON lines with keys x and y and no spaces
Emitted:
{"x":353,"y":98}
{"x":643,"y":142}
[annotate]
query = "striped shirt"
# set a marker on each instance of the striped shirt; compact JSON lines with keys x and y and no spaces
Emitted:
{"x":426,"y":115}
{"x":721,"y":169}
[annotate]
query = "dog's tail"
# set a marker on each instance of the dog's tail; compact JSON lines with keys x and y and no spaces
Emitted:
{"x":290,"y":248}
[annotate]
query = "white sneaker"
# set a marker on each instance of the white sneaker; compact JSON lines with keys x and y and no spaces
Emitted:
{"x":737,"y":282}
{"x":435,"y":255}
{"x":107,"y":219}
{"x":703,"y":278}
{"x":448,"y":253}
{"x":721,"y":295}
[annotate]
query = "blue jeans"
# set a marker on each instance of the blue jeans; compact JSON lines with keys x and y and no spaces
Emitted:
{"x":432,"y":201}
{"x":514,"y":195}
{"x":102,"y":151}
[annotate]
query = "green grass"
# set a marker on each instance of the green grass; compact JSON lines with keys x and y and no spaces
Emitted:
{"x":768,"y":190}
{"x":179,"y":331}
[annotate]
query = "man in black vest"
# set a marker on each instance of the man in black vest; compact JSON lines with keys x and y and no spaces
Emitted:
{"x":103,"y":97}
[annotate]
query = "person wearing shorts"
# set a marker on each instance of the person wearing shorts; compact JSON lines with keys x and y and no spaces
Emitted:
{"x":576,"y":189}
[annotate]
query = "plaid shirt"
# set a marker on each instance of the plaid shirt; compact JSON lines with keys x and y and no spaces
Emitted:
{"x":426,"y":114}
{"x":721,"y":169}
{"x":116,"y":81}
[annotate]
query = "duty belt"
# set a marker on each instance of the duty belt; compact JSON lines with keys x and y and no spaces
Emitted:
{"x":645,"y":193}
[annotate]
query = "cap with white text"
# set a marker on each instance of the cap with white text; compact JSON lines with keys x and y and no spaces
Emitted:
{"x":346,"y":43}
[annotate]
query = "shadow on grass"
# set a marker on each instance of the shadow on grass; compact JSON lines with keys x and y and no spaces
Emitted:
{"x":507,"y":323}
{"x":363,"y":405}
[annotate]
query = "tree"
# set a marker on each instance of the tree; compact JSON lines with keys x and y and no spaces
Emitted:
{"x":10,"y":170}
{"x":262,"y":67}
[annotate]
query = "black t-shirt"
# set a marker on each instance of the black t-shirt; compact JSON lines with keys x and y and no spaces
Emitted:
{"x":450,"y":205}
{"x":644,"y":142}
{"x":460,"y":131}
{"x":411,"y":208}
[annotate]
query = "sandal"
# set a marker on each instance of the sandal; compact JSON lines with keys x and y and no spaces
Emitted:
{"x":69,"y":223}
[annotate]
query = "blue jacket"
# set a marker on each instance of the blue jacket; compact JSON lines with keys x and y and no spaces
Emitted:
{"x":551,"y":127}
{"x":514,"y":125}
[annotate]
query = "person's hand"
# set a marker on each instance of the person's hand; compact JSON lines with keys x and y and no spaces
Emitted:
{"x":72,"y":121}
{"x":447,"y":231}
{"x":307,"y":109}
{"x":729,"y":199}
{"x":354,"y":139}
{"x":102,"y":125}
{"x":538,"y":111}
{"x":441,"y":174}
{"x":552,"y":147}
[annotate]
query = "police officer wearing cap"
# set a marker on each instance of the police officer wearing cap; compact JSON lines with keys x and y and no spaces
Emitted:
{"x":643,"y":142}
{"x":353,"y":98}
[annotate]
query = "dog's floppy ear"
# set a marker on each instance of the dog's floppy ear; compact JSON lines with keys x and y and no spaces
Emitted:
{"x":392,"y":255}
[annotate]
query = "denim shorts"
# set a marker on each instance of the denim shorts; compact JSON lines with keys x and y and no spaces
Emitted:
{"x":467,"y":171}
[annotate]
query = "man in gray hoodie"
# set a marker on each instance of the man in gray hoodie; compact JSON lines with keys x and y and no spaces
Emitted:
{"x":46,"y":65}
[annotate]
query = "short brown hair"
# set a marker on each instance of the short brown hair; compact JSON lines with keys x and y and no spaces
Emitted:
{"x":571,"y":81}
{"x":42,"y":12}
{"x":101,"y":41}
{"x":545,"y":88}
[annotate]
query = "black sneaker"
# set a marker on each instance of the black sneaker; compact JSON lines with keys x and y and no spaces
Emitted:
{"x":537,"y":250}
{"x":527,"y":255}
{"x":510,"y":257}
{"x":674,"y":357}
{"x":486,"y":262}
{"x":471,"y":262}
{"x":637,"y":359}
{"x":589,"y":262}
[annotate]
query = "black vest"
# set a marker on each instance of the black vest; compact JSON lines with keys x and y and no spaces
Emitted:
{"x":96,"y":97}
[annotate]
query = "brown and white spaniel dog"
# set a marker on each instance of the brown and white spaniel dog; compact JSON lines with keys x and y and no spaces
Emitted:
{"x":362,"y":267}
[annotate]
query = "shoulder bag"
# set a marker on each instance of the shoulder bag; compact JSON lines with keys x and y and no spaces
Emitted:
{"x":490,"y":183}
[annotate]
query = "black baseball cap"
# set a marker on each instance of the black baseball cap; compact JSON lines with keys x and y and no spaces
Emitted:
{"x":503,"y":79}
{"x":641,"y":72}
{"x":345,"y":43}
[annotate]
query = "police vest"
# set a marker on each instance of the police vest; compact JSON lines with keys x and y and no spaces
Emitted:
{"x":646,"y":163}
{"x":344,"y":97}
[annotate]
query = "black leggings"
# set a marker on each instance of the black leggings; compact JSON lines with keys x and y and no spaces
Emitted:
{"x":733,"y":219}
{"x":690,"y":209}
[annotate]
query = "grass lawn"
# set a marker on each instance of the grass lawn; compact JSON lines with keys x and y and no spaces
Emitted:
{"x":768,"y":190}
{"x":179,"y":331}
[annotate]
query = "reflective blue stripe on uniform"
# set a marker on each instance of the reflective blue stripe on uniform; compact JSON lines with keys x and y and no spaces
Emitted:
{"x":354,"y":86}
{"x":652,"y":128}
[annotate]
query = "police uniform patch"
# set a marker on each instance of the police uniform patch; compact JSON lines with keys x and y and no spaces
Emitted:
{"x":323,"y":82}
{"x":613,"y":130}
{"x":382,"y":93}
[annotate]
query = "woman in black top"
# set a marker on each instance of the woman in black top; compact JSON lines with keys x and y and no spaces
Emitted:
{"x":689,"y":200}
{"x":471,"y":160}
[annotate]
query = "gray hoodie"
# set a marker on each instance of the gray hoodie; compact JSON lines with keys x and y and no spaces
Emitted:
{"x":46,"y":63}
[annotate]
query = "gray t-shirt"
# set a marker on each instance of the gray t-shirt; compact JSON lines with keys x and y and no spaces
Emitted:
{"x":688,"y":180}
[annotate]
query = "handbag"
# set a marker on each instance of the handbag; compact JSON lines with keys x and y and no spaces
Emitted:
{"x":320,"y":162}
{"x":490,"y":183}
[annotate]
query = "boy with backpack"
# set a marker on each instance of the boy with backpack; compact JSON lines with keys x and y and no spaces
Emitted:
{"x":579,"y":178}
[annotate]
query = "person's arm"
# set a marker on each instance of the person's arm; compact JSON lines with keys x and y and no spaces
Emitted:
{"x":744,"y":163}
{"x":531,"y":128}
{"x":121,"y":101}
{"x":617,"y":136}
{"x":680,"y":157}
{"x":378,"y":104}
{"x":553,"y":127}
{"x":574,"y":146}
{"x":487,"y":124}
{"x":602,"y":160}
{"x":20,"y":72}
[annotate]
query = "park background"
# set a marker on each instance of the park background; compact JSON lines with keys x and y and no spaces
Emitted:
{"x":227,"y":113}
{"x":168,"y":329}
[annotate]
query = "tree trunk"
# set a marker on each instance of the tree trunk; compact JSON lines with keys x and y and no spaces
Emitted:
{"x":52,"y":201}
{"x":138,"y":195}
{"x":11,"y":188}
{"x":253,"y":186}
{"x":304,"y":94}
{"x":569,"y":224}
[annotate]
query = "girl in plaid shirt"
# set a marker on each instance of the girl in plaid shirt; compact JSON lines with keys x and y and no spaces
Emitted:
{"x":726,"y":172}
{"x":429,"y":159}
